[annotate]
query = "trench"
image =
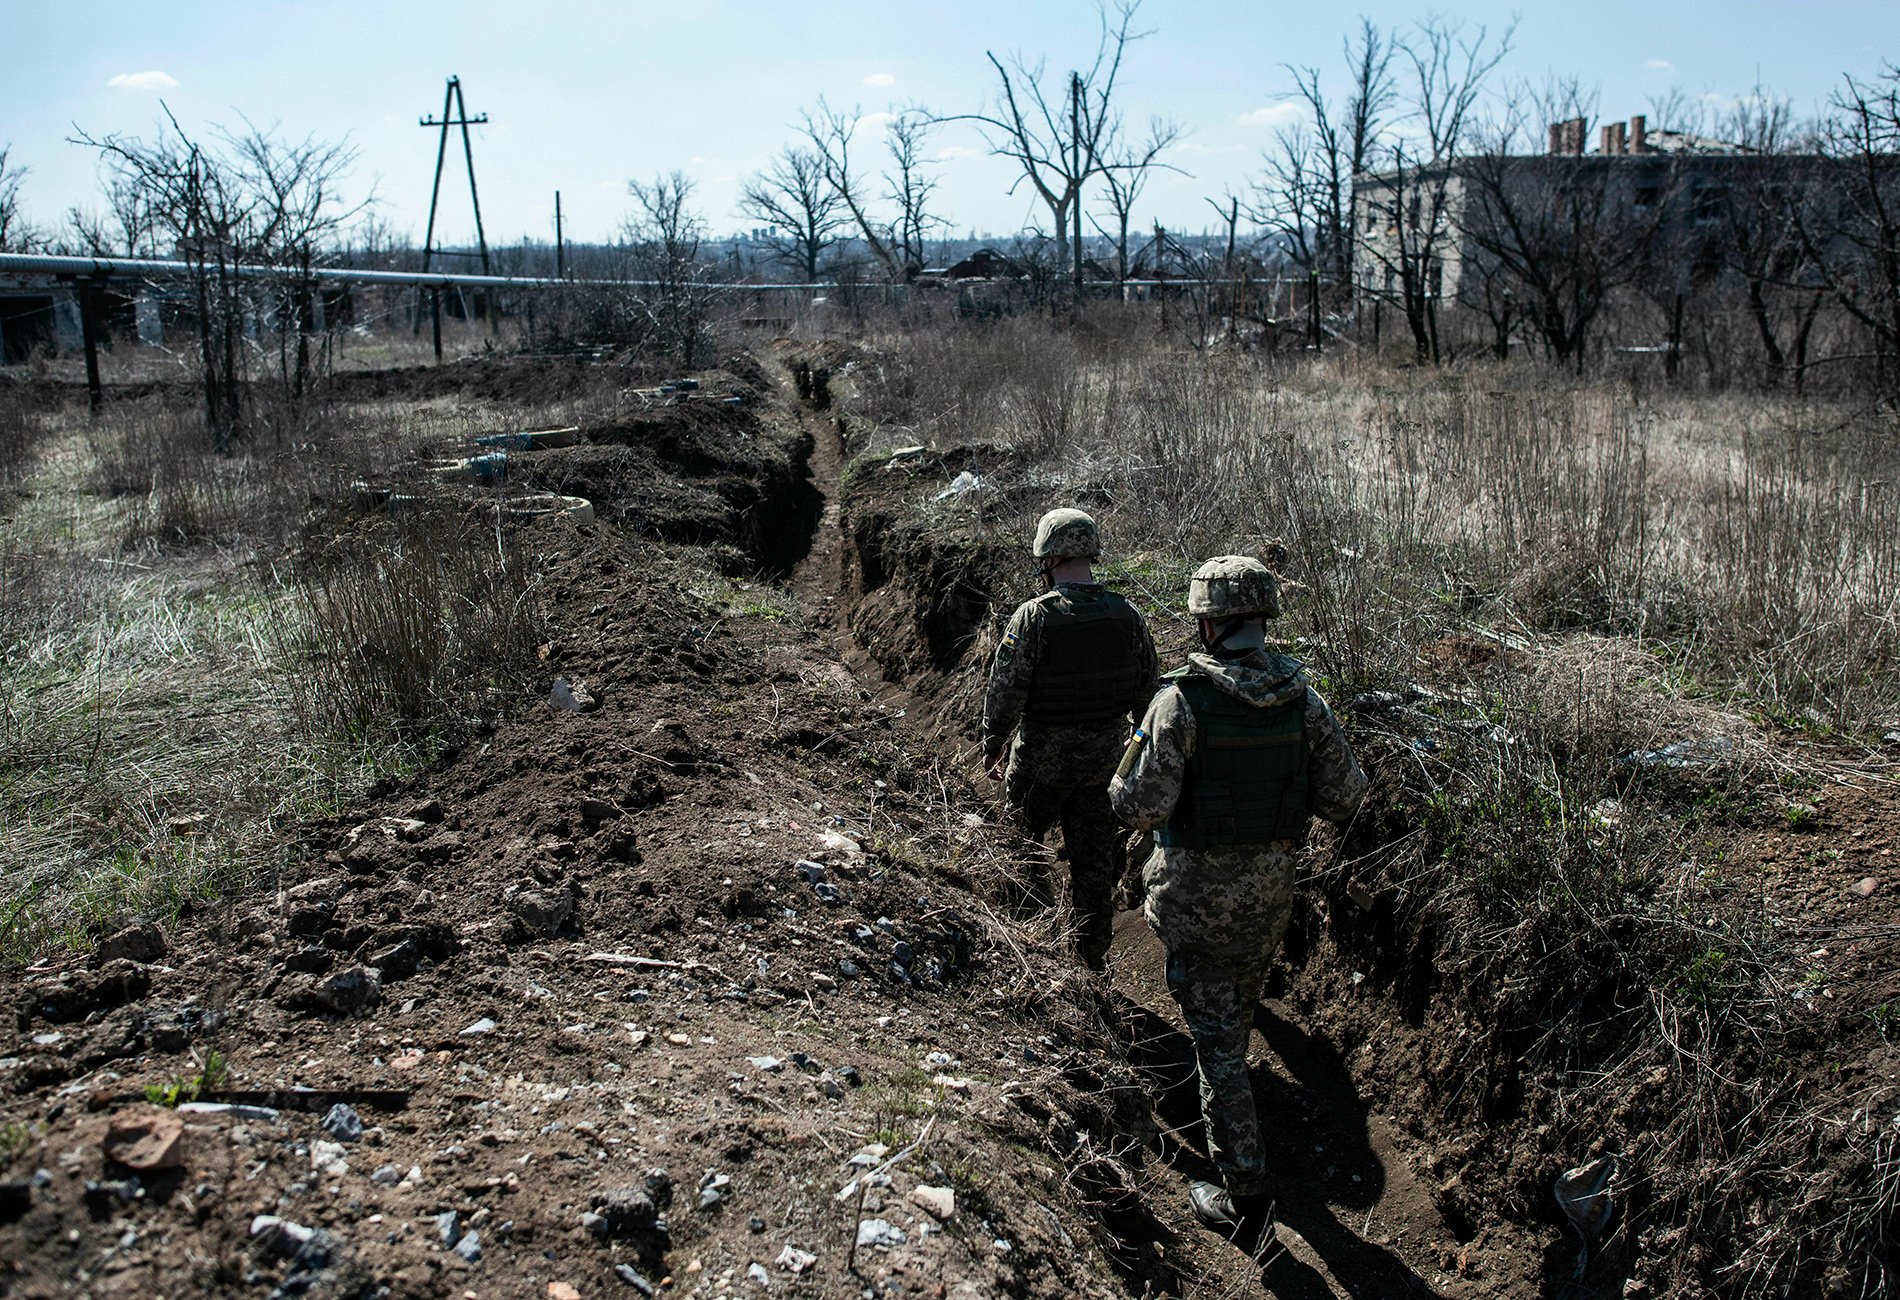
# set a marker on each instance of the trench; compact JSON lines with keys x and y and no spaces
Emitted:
{"x":1354,"y":1216}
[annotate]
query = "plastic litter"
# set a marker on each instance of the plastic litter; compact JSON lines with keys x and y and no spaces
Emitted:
{"x":1703,"y":752}
{"x":1583,"y":1194}
{"x":963,"y":483}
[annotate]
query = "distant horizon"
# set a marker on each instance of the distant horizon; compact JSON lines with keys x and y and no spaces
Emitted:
{"x":591,"y":95}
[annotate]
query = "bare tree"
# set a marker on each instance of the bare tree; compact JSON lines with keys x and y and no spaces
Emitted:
{"x":1562,"y":232}
{"x":664,"y":235}
{"x":227,"y":207}
{"x":1057,"y":137}
{"x":909,"y":188}
{"x":1756,"y":220}
{"x":831,"y":132}
{"x":793,"y":197}
{"x":16,"y":236}
{"x":1306,"y":192}
{"x":1446,"y":72}
{"x":1854,"y":243}
{"x":1127,"y":167}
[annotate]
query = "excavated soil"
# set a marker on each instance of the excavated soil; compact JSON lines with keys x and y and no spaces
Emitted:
{"x":709,"y":990}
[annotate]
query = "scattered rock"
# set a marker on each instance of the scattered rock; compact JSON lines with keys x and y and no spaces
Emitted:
{"x":1865,"y":886}
{"x":540,"y":912}
{"x":755,"y":1224}
{"x":480,"y":1027}
{"x":573,"y":697}
{"x":562,"y":1291}
{"x":940,"y":1202}
{"x":631,"y":1276}
{"x":317,"y":892}
{"x":767,"y":1064}
{"x":827,"y":893}
{"x":470,"y":1246}
{"x":99,"y":1194}
{"x":387,"y":1176}
{"x":311,"y":959}
{"x":76,"y":995}
{"x":755,"y":1272}
{"x":950,"y":1083}
{"x":712,"y":1190}
{"x":823,"y":982}
{"x":310,"y":1247}
{"x":813,"y":872}
{"x":880,"y":1233}
{"x":342,"y":1123}
{"x":598,"y":811}
{"x":16,"y":1198}
{"x":794,"y":1260}
{"x":141,"y":941}
{"x":188,"y":825}
{"x":625,"y":1212}
{"x":398,"y":961}
{"x":429,"y":811}
{"x":448,"y":1227}
{"x":830,"y":1086}
{"x":348,"y":991}
{"x":329,"y":1158}
{"x":150,"y":1139}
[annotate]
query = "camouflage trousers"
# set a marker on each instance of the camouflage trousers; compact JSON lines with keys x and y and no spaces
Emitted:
{"x":1093,"y":839}
{"x":1217,"y":998}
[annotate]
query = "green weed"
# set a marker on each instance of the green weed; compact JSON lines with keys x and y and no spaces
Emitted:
{"x":191,"y":1087}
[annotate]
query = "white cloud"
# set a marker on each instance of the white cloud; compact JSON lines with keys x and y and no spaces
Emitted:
{"x":1660,"y":65}
{"x":880,"y":80}
{"x":697,"y":159}
{"x":873,"y":122}
{"x":1282,"y":114}
{"x":950,"y":153}
{"x":153,"y":80}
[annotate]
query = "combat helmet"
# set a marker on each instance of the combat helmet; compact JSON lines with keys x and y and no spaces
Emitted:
{"x":1067,"y":535}
{"x":1234,"y":586}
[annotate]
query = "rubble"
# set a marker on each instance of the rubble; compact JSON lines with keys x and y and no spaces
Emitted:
{"x":147,"y":1140}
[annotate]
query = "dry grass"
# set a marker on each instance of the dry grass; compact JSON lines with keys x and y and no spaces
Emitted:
{"x":166,"y":714}
{"x":1653,"y":571}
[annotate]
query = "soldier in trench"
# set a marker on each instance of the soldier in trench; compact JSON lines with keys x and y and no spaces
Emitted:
{"x":1232,"y":758}
{"x":1076,"y":663}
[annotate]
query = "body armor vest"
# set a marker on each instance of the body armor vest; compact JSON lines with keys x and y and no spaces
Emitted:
{"x":1247,"y":783}
{"x":1088,"y":670}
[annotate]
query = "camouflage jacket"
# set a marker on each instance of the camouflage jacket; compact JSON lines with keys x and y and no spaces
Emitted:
{"x":1221,"y":899}
{"x":1056,"y":753}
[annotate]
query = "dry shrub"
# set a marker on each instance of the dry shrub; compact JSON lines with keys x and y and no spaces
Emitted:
{"x":412,"y":623}
{"x":1549,"y":838}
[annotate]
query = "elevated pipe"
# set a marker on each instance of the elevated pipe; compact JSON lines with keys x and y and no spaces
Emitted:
{"x":20,"y":265}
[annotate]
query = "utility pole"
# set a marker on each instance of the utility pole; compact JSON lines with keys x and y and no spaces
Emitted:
{"x":560,"y":249}
{"x":1075,"y":170}
{"x":452,"y":98}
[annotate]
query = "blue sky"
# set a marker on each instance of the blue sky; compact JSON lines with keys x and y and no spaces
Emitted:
{"x":583,"y":96}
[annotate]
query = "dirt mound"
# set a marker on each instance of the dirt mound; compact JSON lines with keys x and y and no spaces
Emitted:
{"x":679,"y":989}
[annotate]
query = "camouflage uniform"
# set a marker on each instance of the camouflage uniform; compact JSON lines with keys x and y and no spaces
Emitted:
{"x":1058,"y":771}
{"x":1222,"y":912}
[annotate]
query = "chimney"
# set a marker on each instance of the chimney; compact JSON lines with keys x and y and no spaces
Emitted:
{"x":1557,"y":133}
{"x":1574,"y":130}
{"x":1615,"y":138}
{"x":1606,"y":140}
{"x":1639,"y":134}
